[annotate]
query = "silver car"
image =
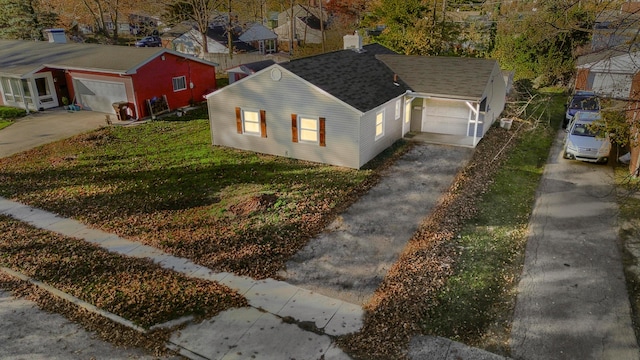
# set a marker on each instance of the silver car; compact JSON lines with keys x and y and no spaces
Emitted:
{"x":582,"y":143}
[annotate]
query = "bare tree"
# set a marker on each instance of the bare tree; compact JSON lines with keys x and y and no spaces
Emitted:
{"x":198,"y":12}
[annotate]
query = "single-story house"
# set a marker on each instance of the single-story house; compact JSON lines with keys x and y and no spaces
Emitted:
{"x":38,"y":75}
{"x":346,"y":107}
{"x":261,"y":38}
{"x":242,"y":71}
{"x":307,"y":26}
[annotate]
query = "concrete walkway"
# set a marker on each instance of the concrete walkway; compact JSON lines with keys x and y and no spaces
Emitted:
{"x":572,"y":299}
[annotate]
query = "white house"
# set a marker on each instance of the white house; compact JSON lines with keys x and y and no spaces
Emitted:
{"x":346,"y":107}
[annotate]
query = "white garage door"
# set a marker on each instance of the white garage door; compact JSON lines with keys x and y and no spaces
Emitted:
{"x":97,"y":95}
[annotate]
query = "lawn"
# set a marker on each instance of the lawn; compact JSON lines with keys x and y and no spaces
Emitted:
{"x":163,"y":184}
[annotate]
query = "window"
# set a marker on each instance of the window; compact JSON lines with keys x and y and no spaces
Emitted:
{"x":251,"y":122}
{"x":379,"y":124}
{"x":398,"y":104}
{"x":308,"y":129}
{"x":179,"y":83}
{"x":6,"y":89}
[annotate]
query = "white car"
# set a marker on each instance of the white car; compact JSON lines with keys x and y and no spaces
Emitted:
{"x":581,"y":143}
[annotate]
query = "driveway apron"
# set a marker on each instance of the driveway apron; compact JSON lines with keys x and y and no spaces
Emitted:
{"x":48,"y":126}
{"x":572,"y":299}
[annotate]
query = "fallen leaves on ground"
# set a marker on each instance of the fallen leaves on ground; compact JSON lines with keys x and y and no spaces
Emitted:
{"x":135,"y":289}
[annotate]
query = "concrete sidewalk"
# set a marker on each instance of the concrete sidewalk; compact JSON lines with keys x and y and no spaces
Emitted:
{"x":572,"y":299}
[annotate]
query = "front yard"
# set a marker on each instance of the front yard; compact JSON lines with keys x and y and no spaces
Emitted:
{"x":164,"y":185}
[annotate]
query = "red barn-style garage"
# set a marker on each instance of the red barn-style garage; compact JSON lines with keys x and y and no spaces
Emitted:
{"x":42,"y":75}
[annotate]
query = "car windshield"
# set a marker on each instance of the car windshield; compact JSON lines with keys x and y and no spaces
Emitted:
{"x":584,"y":103}
{"x":582,"y":129}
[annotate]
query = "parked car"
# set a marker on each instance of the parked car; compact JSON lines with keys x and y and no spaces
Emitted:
{"x":582,"y":143}
{"x":586,"y":101}
{"x":149,"y":41}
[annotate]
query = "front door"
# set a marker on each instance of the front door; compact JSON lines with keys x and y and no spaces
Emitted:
{"x":45,"y":92}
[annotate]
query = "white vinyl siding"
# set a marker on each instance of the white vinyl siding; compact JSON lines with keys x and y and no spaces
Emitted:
{"x":280,"y":100}
{"x":379,"y":124}
{"x":251,"y":122}
{"x":308,"y":129}
{"x":179,"y":83}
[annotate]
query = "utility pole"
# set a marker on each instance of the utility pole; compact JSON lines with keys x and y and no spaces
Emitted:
{"x":292,"y":30}
{"x":229,"y":29}
{"x":322,"y":25}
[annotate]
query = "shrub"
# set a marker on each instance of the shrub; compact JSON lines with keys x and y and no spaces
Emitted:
{"x":11,"y":113}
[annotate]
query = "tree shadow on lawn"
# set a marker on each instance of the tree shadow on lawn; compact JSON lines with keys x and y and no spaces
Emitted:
{"x":187,"y":210}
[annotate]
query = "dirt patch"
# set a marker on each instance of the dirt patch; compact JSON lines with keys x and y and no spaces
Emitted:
{"x":254,"y":204}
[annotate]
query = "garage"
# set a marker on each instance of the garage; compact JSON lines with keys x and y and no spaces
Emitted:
{"x":96,"y":95}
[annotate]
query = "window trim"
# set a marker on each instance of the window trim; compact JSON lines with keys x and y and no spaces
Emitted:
{"x":179,"y":78}
{"x":381,"y":134}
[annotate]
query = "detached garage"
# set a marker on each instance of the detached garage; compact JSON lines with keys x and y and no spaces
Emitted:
{"x":38,"y":75}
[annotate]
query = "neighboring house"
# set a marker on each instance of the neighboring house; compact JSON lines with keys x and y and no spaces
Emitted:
{"x":190,"y":41}
{"x":261,"y":38}
{"x":609,"y":73}
{"x":346,"y":107}
{"x":242,"y":71}
{"x":306,"y":25}
{"x":38,"y":75}
{"x":615,"y":74}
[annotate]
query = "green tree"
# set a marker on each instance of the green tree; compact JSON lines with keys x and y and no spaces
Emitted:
{"x":538,"y":39}
{"x":414,"y":27}
{"x":25,"y":19}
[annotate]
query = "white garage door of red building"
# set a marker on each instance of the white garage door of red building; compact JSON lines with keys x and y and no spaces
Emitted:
{"x":98,"y":95}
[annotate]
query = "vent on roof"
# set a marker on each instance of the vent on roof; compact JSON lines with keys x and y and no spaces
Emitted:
{"x":353,"y":42}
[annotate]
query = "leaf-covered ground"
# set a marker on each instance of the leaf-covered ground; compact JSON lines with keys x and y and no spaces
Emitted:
{"x":133,"y":288}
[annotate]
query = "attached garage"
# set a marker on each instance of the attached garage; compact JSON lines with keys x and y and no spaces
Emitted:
{"x":457,"y":97}
{"x":98,"y":95}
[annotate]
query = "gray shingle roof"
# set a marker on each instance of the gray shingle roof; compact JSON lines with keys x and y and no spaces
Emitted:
{"x":19,"y":58}
{"x":357,"y":78}
{"x":456,"y":77}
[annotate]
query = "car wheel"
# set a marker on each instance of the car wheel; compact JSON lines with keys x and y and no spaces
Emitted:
{"x":564,"y":155}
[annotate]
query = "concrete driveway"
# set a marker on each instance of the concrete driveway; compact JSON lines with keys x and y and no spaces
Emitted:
{"x":572,"y":299}
{"x":47,"y":126}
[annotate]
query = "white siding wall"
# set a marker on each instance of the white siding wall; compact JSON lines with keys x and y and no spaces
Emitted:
{"x":280,"y":99}
{"x":369,"y":146}
{"x":495,"y":94}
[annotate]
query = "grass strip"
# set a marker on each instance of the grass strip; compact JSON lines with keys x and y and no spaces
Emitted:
{"x":135,"y":289}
